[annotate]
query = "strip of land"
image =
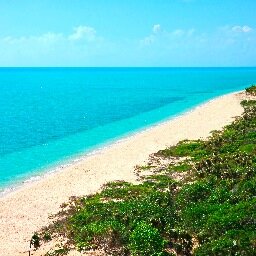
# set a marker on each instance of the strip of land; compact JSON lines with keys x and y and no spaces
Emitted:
{"x":27,"y":209}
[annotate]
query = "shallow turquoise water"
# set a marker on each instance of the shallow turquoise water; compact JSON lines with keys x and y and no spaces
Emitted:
{"x":49,"y":115}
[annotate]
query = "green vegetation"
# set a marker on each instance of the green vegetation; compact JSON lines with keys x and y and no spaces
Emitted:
{"x":35,"y":240}
{"x":211,"y":211}
{"x":194,"y":149}
{"x":251,"y":90}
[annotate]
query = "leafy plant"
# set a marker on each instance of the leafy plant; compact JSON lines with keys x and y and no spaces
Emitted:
{"x":146,"y":240}
{"x":251,"y":90}
{"x":35,"y":240}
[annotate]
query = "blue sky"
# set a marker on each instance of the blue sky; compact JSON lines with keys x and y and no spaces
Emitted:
{"x":128,"y":33}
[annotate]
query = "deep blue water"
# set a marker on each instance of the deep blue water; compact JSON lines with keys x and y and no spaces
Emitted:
{"x":48,"y":115}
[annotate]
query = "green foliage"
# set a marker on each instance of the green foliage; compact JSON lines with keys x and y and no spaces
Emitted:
{"x":248,"y":148}
{"x":182,"y":167}
{"x":233,"y":242}
{"x":35,"y":240}
{"x":248,"y":103}
{"x":47,"y":236}
{"x":251,"y":90}
{"x":146,"y":240}
{"x":185,"y":148}
{"x":218,"y":209}
{"x":145,"y":167}
{"x":58,"y":252}
{"x":108,"y":218}
{"x":113,"y":220}
{"x":210,"y":212}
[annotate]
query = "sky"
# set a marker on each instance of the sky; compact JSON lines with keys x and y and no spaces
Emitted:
{"x":134,"y":33}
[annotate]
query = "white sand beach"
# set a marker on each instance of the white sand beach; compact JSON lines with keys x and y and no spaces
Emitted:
{"x":26,"y":209}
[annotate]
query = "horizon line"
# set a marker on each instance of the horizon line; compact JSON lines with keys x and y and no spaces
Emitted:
{"x":106,"y":67}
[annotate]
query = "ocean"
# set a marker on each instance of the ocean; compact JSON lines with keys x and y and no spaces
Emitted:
{"x":49,"y":116}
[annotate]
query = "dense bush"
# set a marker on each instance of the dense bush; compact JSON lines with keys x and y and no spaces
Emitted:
{"x":251,"y":90}
{"x":146,"y":240}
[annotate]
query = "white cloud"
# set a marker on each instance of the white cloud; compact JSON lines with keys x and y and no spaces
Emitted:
{"x":191,"y":31}
{"x":148,"y":40}
{"x":83,"y":32}
{"x":49,"y":37}
{"x":241,"y":29}
{"x":54,"y":48}
{"x":165,"y":36}
{"x":182,"y":32}
{"x":156,"y":28}
{"x":83,"y":46}
{"x":44,"y":38}
{"x":178,"y":32}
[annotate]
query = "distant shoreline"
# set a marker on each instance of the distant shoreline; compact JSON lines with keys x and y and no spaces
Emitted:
{"x":58,"y":167}
{"x":26,"y":209}
{"x":67,"y":114}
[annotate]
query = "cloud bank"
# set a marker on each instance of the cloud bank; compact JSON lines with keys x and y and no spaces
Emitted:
{"x":53,"y":49}
{"x":243,"y":29}
{"x":83,"y":32}
{"x":83,"y":46}
{"x":224,"y":46}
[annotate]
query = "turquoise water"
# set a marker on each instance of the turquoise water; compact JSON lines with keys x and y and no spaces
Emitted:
{"x":49,"y":115}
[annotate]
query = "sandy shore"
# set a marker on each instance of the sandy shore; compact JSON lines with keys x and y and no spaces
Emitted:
{"x":27,"y":209}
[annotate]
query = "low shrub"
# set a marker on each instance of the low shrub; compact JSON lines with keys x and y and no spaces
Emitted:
{"x":146,"y":240}
{"x":251,"y":90}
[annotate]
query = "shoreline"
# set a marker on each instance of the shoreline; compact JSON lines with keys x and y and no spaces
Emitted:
{"x":46,"y":172}
{"x":26,"y":209}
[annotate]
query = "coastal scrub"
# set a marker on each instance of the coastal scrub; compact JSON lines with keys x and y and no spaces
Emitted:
{"x":202,"y":202}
